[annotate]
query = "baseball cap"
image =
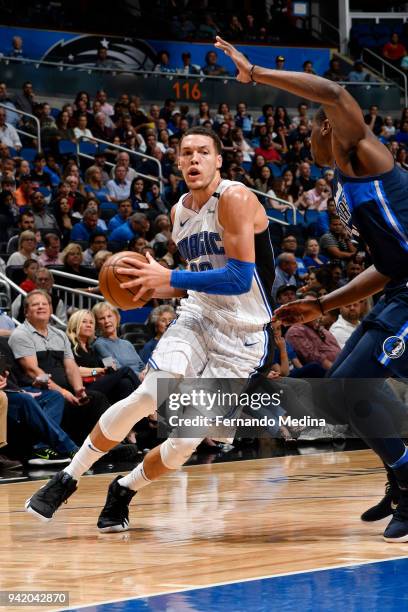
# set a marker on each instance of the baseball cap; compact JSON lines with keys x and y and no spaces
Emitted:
{"x":284,"y":288}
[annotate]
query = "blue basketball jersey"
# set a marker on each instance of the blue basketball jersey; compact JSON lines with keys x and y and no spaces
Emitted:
{"x":376,"y":208}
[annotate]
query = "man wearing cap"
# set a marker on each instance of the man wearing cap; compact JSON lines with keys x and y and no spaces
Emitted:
{"x":285,"y":272}
{"x":286,"y":294}
{"x":279,"y":62}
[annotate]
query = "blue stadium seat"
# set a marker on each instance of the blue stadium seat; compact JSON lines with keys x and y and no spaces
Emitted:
{"x":13,"y":152}
{"x":275,"y":214}
{"x":276,"y":170}
{"x":55,"y":112}
{"x":247,"y":165}
{"x":45,"y":191}
{"x":89,"y":148}
{"x":66,"y":147}
{"x":311,"y":216}
{"x":28,"y":154}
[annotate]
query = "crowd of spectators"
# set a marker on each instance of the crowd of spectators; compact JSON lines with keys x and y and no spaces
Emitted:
{"x":60,"y":212}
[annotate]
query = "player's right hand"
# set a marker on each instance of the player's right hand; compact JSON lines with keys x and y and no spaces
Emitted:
{"x":300,"y":311}
{"x":239,"y":59}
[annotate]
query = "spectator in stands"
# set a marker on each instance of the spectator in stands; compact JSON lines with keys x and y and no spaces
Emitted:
{"x":316,"y":198}
{"x":72,"y":258}
{"x":402,"y":136}
{"x":347,"y":321}
{"x":97,"y":242}
{"x":302,"y":116}
{"x":157,"y":200}
{"x":102,"y":59}
{"x":286,"y":294}
{"x":374,"y":120}
{"x":115,"y":383}
{"x":358,"y":74}
{"x":312,"y":343}
{"x":136,"y":226}
{"x":323,"y":221}
{"x":64,"y":217}
{"x":335,"y":73}
{"x":8,"y":133}
{"x":123,"y":159}
{"x":308,"y":67}
{"x":336,"y":244}
{"x":312,"y":257}
{"x":39,"y":176}
{"x":51,"y":255}
{"x":25,"y":222}
{"x":64,"y":129}
{"x":137,"y":196}
{"x":243,"y":119}
{"x":285,"y":272}
{"x":109,"y":344}
{"x":102,"y":97}
{"x":25,"y":100}
{"x":16,"y":47}
{"x":100,"y":128}
{"x":388,"y":129}
{"x":42,"y":349}
{"x":289,"y":244}
{"x":42,"y":218}
{"x":81,"y":131}
{"x":99,"y":259}
{"x":11,"y":117}
{"x":208,"y":30}
{"x":305,"y":179}
{"x":187,"y":67}
{"x":402,"y":158}
{"x":27,"y":245}
{"x":211,"y":68}
{"x":394,"y":50}
{"x":30,"y":268}
{"x":163,"y":62}
{"x":119,"y":187}
{"x":94,"y":184}
{"x":123,"y":214}
{"x":268,"y":150}
{"x":7,"y":208}
{"x":44,"y":280}
{"x":87,"y":225}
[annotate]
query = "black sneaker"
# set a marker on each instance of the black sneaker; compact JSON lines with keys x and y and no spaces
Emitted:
{"x":46,"y":501}
{"x":115,"y":514}
{"x":397,"y":529}
{"x":47,"y":456}
{"x":389,"y":502}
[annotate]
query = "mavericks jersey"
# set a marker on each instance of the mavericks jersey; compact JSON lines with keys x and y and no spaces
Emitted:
{"x":376,"y":207}
{"x":200,"y":240}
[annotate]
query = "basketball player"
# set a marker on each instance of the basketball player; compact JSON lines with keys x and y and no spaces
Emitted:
{"x":371,"y":199}
{"x":223,"y":329}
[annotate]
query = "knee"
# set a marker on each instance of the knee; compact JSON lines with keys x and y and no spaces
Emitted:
{"x":175,"y":452}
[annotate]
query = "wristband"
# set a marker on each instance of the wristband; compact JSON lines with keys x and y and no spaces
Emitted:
{"x":251,"y":73}
{"x":320,"y":306}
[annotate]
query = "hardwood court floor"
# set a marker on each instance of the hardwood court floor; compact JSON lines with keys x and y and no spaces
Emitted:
{"x":206,"y":524}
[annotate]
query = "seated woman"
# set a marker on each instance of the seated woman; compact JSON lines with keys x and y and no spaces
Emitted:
{"x":160,"y":318}
{"x":109,"y":344}
{"x":30,"y":268}
{"x":94,"y":184}
{"x":116,"y":384}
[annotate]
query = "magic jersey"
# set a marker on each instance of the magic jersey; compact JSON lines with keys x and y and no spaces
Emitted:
{"x":199,"y":237}
{"x":376,"y":208}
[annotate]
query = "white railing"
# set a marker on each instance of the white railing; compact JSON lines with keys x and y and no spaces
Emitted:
{"x":276,"y":199}
{"x":110,"y":145}
{"x":23,"y":293}
{"x":32,"y":117}
{"x":384,"y":63}
{"x":77,"y":298}
{"x":84,"y":279}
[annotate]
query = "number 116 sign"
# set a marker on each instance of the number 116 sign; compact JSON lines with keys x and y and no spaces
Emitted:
{"x":187,"y":91}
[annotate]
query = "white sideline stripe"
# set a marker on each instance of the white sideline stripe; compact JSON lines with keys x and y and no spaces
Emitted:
{"x":218,"y":584}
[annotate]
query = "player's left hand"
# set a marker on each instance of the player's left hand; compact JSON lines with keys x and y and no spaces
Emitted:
{"x":300,"y":311}
{"x":239,"y":59}
{"x":149,"y":275}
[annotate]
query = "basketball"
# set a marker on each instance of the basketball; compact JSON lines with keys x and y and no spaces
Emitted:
{"x":110,"y":281}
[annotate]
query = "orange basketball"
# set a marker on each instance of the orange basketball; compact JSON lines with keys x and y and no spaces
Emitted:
{"x":110,"y":280}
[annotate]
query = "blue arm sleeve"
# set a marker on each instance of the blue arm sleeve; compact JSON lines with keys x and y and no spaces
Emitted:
{"x":235,"y":278}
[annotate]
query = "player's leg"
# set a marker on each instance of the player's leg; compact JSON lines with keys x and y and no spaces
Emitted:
{"x":373,"y":409}
{"x":112,"y":427}
{"x":163,"y":459}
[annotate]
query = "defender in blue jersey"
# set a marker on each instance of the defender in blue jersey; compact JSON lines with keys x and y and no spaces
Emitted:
{"x":372,"y":201}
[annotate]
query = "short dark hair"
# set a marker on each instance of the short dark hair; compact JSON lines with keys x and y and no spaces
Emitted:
{"x":49,"y":237}
{"x":96,"y":235}
{"x":199,"y":130}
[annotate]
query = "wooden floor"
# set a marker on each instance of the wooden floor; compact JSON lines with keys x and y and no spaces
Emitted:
{"x":207,"y":524}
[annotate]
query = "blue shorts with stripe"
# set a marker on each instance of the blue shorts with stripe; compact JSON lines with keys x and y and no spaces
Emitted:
{"x":379,"y":345}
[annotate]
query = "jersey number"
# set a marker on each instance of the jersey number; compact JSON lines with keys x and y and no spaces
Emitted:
{"x":201,"y":267}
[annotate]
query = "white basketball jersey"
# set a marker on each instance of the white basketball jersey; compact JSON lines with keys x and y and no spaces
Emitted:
{"x":200,"y":240}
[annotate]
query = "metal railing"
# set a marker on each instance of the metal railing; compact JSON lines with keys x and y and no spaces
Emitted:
{"x":276,"y":199}
{"x":77,"y":298}
{"x":32,"y":117}
{"x":156,"y":179}
{"x":23,"y":293}
{"x":318,"y":25}
{"x":383,"y":64}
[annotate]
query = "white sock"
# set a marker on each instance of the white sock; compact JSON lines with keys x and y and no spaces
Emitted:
{"x":87,"y":455}
{"x":136,"y":480}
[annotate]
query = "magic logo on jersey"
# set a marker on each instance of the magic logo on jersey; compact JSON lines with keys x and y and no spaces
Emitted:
{"x":202,"y":243}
